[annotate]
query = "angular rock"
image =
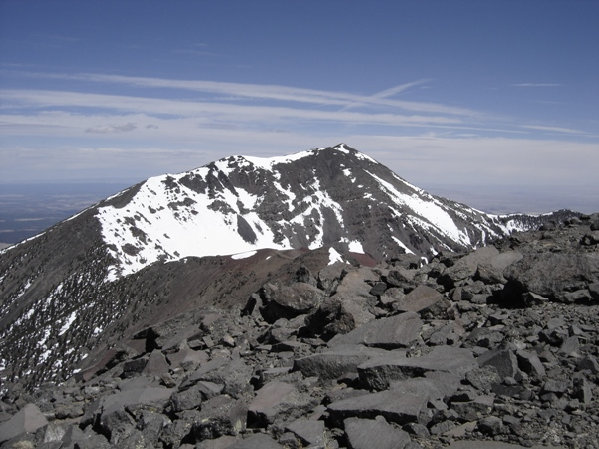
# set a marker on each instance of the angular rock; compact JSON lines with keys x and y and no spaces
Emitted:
{"x":335,"y":362}
{"x":219,"y":416}
{"x":379,"y":372}
{"x":134,"y":367}
{"x":420,"y":299}
{"x":288,"y":301}
{"x":271,"y":400}
{"x":374,"y":433}
{"x":134,"y":397}
{"x":27,"y":420}
{"x":309,"y":431}
{"x":193,"y":396}
{"x":570,"y":346}
{"x":392,"y":332}
{"x":491,"y":270}
{"x":173,"y":433}
{"x":258,"y":441}
{"x":224,"y":442}
{"x":588,"y":363}
{"x":116,"y":425}
{"x":550,"y":274}
{"x":234,"y":374}
{"x":482,"y":444}
{"x":88,"y":439}
{"x":503,"y":360}
{"x":187,"y":357}
{"x":530,"y":363}
{"x":466,"y":266}
{"x":157,"y":364}
{"x":396,"y":406}
{"x":490,"y":425}
{"x":475,"y":409}
{"x":400,"y":277}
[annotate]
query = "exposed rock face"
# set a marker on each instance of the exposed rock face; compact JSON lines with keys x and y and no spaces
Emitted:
{"x":466,"y":351}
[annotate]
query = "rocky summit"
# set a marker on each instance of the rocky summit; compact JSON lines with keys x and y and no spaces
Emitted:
{"x":318,"y":342}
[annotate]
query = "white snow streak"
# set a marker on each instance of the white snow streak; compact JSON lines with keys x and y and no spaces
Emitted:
{"x":431,"y":211}
{"x":243,"y":255}
{"x":356,"y":247}
{"x":65,"y":327}
{"x":334,"y":256}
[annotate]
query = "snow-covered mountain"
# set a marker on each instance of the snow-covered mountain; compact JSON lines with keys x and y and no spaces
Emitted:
{"x":107,"y":268}
{"x":323,"y":197}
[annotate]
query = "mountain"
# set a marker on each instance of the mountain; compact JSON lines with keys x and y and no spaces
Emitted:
{"x":210,"y":236}
{"x":493,"y":348}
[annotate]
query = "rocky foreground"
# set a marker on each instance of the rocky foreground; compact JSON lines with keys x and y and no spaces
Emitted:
{"x":494,"y":349}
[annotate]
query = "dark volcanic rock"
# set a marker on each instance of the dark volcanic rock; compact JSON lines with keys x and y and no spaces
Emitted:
{"x":397,"y":407}
{"x":288,"y":302}
{"x":552,"y":275}
{"x":338,"y":361}
{"x":392,"y":332}
{"x":27,"y":420}
{"x":369,"y":433}
{"x":380,"y":372}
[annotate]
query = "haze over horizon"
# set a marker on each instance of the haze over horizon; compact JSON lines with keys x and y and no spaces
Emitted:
{"x":492,"y":104}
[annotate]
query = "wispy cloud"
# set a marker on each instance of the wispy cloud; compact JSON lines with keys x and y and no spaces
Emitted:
{"x":536,"y":85}
{"x":387,"y":93}
{"x":113,"y":129}
{"x":269,"y":92}
{"x":212,"y":111}
{"x":555,"y":129}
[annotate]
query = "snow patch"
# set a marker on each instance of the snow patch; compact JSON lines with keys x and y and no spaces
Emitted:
{"x":65,"y":327}
{"x":356,"y":247}
{"x":402,"y":245}
{"x":429,"y":209}
{"x":334,"y":256}
{"x":243,"y":255}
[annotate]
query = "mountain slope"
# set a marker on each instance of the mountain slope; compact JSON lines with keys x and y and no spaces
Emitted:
{"x":61,"y":290}
{"x":324,"y":197}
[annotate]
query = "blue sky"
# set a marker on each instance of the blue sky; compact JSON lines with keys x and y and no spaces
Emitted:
{"x":485,"y":102}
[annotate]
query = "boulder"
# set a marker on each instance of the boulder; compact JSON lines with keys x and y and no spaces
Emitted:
{"x":281,"y":301}
{"x":374,"y":433}
{"x":258,"y":441}
{"x":272,"y":399}
{"x":379,"y":372}
{"x":481,"y":444}
{"x":392,"y":332}
{"x":134,"y":397}
{"x":193,"y":396}
{"x":399,"y":278}
{"x":466,"y":266}
{"x":420,"y":299}
{"x":490,"y":271}
{"x":224,"y":442}
{"x":309,"y":431}
{"x":503,"y":360}
{"x":234,"y":374}
{"x":338,"y":314}
{"x":219,"y":416}
{"x":27,"y":420}
{"x":530,"y":363}
{"x":335,"y":362}
{"x":396,"y":406}
{"x":550,"y":275}
{"x":157,"y":364}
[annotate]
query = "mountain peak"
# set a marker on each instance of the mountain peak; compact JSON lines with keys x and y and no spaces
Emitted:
{"x":334,"y":196}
